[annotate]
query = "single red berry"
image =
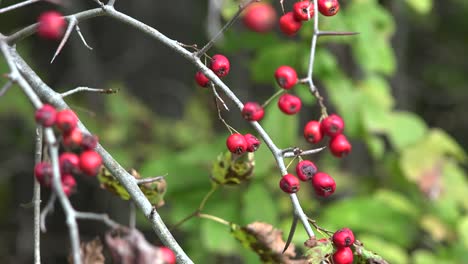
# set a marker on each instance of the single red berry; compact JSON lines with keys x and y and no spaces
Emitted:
{"x":43,"y":173}
{"x":313,"y":132}
{"x":328,"y":7}
{"x":90,"y":162}
{"x":89,"y":142}
{"x":253,"y":111}
{"x":343,"y":256}
{"x":252,"y":142}
{"x":343,"y":238}
{"x":69,"y":162}
{"x":260,"y":17}
{"x":68,"y":184}
{"x":236,"y":143}
{"x":340,"y":146}
{"x":289,"y":104}
{"x":305,"y":170}
{"x":201,"y":79}
{"x":167,"y":255}
{"x":220,"y":65}
{"x":323,"y":184}
{"x":286,"y":77}
{"x":51,"y":25}
{"x":289,"y":184}
{"x":72,"y":139}
{"x":303,"y":10}
{"x":66,"y":120}
{"x":46,"y":115}
{"x":289,"y":24}
{"x":332,"y":125}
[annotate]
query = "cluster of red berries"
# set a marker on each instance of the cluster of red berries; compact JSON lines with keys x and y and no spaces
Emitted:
{"x":291,"y":22}
{"x":239,"y":144}
{"x":343,"y":239}
{"x":286,"y":77}
{"x":332,"y":126}
{"x":51,"y":25}
{"x":219,"y":64}
{"x":306,"y":170}
{"x":87,"y":161}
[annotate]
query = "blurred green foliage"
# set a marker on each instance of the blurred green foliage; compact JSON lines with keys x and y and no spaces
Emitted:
{"x":409,"y":205}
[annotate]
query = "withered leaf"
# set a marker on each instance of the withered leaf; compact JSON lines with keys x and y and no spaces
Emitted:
{"x":91,"y":252}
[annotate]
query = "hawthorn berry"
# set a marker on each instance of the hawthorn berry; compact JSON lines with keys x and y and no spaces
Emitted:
{"x":220,"y":65}
{"x":303,"y":10}
{"x":289,"y":104}
{"x":51,"y":25}
{"x":68,"y":183}
{"x":343,"y":238}
{"x":253,"y":111}
{"x":260,"y":17}
{"x":90,"y":162}
{"x":252,"y":142}
{"x":313,"y":132}
{"x":72,"y":139}
{"x":66,"y":120}
{"x":328,"y":7}
{"x":323,"y":184}
{"x":289,"y":25}
{"x":167,"y":255}
{"x":289,"y":183}
{"x":332,"y":125}
{"x":46,"y":115}
{"x":286,"y":77}
{"x":89,"y":142}
{"x":236,"y":143}
{"x":201,"y":79}
{"x":305,"y":170}
{"x":69,"y":162}
{"x":43,"y":173}
{"x":343,"y":256}
{"x":340,"y":146}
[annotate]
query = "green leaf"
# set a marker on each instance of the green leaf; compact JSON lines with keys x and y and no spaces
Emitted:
{"x":463,"y":231}
{"x":404,"y":129}
{"x":391,"y":252}
{"x":232,"y":169}
{"x":420,"y":6}
{"x":320,"y":252}
{"x":263,"y":209}
{"x":281,"y":128}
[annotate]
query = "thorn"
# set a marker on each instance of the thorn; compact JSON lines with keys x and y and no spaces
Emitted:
{"x":82,"y":37}
{"x":336,"y":33}
{"x":291,"y":233}
{"x":71,"y":24}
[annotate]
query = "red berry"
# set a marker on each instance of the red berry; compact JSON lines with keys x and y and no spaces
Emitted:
{"x":167,"y":255}
{"x":46,"y":115}
{"x":323,"y":184}
{"x":51,"y":25}
{"x":313,"y":132}
{"x":305,"y":170}
{"x":343,"y":256}
{"x":289,"y":104}
{"x":260,"y":17}
{"x":252,"y":142}
{"x":328,"y":7}
{"x":72,"y":139}
{"x":339,"y":146}
{"x":286,"y":77}
{"x":201,"y":79}
{"x":236,"y":143}
{"x":89,"y":142}
{"x":69,"y":162}
{"x":343,"y":238}
{"x":220,"y":65}
{"x":66,"y":120}
{"x":303,"y":10}
{"x":43,"y":173}
{"x":90,"y":162}
{"x":332,"y":125}
{"x":289,"y":184}
{"x":289,"y":25}
{"x":253,"y":111}
{"x":68,"y":183}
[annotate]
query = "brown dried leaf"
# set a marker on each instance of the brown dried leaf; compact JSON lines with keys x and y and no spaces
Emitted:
{"x":91,"y":252}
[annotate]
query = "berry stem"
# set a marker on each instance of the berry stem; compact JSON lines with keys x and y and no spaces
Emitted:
{"x":87,"y":89}
{"x":214,"y":218}
{"x":268,"y":101}
{"x":45,"y":211}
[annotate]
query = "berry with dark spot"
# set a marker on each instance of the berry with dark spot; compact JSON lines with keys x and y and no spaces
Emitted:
{"x":289,"y":183}
{"x":236,"y":143}
{"x":220,"y":65}
{"x":286,"y":77}
{"x":289,"y":104}
{"x":305,"y":170}
{"x":253,"y":143}
{"x":46,"y":115}
{"x":323,"y":184}
{"x":253,"y":111}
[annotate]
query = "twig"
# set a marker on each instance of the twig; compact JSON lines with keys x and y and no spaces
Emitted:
{"x":213,"y":218}
{"x":87,"y":89}
{"x":71,"y":23}
{"x":149,"y":180}
{"x":6,"y":87}
{"x":212,"y":41}
{"x":78,"y":30}
{"x":336,"y":33}
{"x":36,"y":200}
{"x":97,"y":217}
{"x":292,"y":154}
{"x":17,"y":5}
{"x":132,"y":215}
{"x":217,"y":97}
{"x":49,"y":208}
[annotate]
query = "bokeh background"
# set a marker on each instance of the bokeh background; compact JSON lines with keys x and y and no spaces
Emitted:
{"x":401,"y":86}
